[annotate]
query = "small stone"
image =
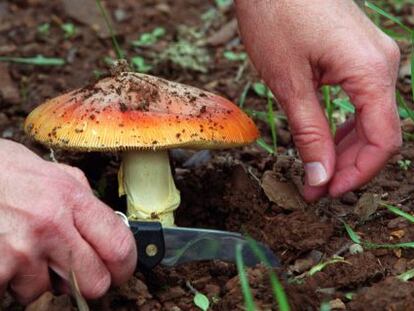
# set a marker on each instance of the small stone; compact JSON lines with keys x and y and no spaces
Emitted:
{"x":120,"y":15}
{"x":337,"y":304}
{"x":356,"y":249}
{"x":349,"y":198}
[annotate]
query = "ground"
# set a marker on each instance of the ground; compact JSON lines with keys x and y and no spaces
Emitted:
{"x":228,"y":190}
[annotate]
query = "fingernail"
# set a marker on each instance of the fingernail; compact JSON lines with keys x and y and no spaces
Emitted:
{"x":315,"y":174}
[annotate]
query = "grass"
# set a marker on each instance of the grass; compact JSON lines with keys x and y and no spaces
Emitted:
{"x":357,"y":239}
{"x":118,"y":51}
{"x":326,"y":92}
{"x":244,"y":280}
{"x":277,"y":288}
{"x":38,"y":60}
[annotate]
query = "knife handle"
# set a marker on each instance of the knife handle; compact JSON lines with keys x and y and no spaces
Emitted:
{"x":150,"y":243}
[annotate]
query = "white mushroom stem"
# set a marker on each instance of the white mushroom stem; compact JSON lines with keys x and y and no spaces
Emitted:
{"x":145,"y":177}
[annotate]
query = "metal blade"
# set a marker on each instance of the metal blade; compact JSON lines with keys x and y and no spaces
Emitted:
{"x":192,"y":244}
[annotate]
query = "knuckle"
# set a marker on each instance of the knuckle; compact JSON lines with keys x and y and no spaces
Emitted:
{"x":100,"y":287}
{"x":78,"y":174}
{"x":392,"y":51}
{"x":124,"y":249}
{"x":308,"y":136}
{"x":44,"y":222}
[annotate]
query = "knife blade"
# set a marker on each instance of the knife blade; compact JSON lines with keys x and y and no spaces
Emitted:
{"x":172,"y":246}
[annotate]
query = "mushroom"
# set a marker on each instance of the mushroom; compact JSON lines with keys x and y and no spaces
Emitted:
{"x":141,"y":116}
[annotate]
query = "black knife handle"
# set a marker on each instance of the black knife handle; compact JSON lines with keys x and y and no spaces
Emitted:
{"x":150,"y":243}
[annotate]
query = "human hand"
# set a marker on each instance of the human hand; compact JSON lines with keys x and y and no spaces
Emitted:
{"x":299,"y":45}
{"x":49,"y":218}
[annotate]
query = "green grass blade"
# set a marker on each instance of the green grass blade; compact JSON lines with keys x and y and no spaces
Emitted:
{"x":389,"y":246}
{"x":326,"y":91}
{"x":244,"y":281}
{"x":243,"y":95}
{"x":319,"y":267}
{"x":278,"y":290}
{"x":406,"y":276}
{"x":344,"y":104}
{"x":356,"y":239}
{"x":404,"y":111}
{"x":262,"y":144}
{"x":352,"y":234}
{"x":118,"y":51}
{"x":261,"y":115}
{"x":38,"y":60}
{"x":387,"y":15}
{"x":398,"y":212}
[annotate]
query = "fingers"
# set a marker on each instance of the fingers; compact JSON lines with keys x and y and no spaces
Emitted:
{"x":313,"y":139}
{"x":30,"y":282}
{"x":108,"y":235}
{"x":373,"y":138}
{"x":91,"y":273}
{"x":8,"y":268}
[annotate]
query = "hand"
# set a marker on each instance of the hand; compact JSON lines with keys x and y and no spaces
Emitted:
{"x":299,"y":45}
{"x":49,"y":218}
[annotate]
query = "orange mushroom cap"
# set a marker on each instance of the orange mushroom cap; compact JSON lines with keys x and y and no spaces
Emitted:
{"x":136,"y":111}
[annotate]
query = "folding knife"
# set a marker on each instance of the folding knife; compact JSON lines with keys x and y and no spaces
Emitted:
{"x":172,"y":246}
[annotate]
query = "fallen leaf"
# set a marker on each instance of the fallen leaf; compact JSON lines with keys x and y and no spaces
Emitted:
{"x":367,"y":205}
{"x":398,"y":234}
{"x":223,"y":35}
{"x":284,"y":194}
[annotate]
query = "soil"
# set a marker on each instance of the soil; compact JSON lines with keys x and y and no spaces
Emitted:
{"x":228,"y":190}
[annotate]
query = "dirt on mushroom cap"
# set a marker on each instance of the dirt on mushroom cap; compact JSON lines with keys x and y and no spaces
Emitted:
{"x":137,"y":111}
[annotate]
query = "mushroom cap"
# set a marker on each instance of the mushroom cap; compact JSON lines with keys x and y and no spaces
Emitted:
{"x":133,"y":111}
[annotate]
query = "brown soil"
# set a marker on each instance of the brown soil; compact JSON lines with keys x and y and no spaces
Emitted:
{"x":228,"y":191}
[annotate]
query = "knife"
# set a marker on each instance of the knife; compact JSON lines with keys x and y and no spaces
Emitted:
{"x":172,"y":246}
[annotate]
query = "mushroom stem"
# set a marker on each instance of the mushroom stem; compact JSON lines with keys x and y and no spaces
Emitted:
{"x":145,"y":177}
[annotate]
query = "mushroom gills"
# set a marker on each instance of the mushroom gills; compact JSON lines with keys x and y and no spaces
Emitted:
{"x":145,"y":178}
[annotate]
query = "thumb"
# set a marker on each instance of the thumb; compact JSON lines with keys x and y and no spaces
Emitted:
{"x":312,"y":137}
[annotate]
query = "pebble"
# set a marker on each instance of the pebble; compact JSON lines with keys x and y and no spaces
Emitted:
{"x":337,"y":304}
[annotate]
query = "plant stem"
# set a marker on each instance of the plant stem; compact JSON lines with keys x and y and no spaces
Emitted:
{"x":326,"y":91}
{"x":118,"y":51}
{"x":145,"y":177}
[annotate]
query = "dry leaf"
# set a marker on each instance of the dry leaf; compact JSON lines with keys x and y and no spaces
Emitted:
{"x":284,"y":194}
{"x":367,"y":205}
